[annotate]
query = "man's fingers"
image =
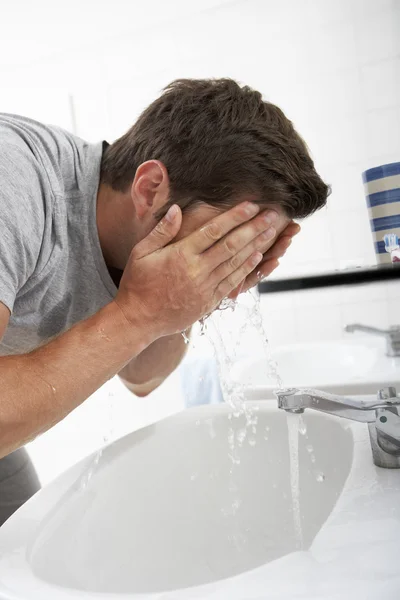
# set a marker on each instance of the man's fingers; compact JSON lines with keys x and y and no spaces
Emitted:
{"x":236,"y":292}
{"x":279,"y":248}
{"x":270,"y":261}
{"x":205,"y":237}
{"x":162,"y":234}
{"x":264,"y":269}
{"x":258,"y":234}
{"x":238,"y":258}
{"x":283,"y":242}
{"x":228,"y":284}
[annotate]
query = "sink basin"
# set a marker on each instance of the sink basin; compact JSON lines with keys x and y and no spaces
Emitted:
{"x":338,"y":367}
{"x":174,"y":505}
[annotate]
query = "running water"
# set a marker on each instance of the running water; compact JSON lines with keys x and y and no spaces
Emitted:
{"x":294,"y":424}
{"x":225,"y":349}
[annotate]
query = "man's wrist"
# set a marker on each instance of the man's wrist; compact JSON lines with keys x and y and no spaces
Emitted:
{"x":131,"y":332}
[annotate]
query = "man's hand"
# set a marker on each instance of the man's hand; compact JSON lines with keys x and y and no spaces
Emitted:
{"x":270,"y":260}
{"x":170,"y":286}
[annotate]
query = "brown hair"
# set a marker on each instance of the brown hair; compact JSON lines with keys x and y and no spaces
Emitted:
{"x":219,"y":140}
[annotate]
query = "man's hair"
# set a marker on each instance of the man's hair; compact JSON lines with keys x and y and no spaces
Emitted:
{"x":218,"y":141}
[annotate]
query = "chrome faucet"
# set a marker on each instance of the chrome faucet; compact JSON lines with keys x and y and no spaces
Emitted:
{"x":392,"y":336}
{"x":382,"y":414}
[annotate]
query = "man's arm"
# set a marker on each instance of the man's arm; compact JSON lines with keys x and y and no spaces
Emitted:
{"x":144,"y":373}
{"x":164,"y":290}
{"x":40,"y":388}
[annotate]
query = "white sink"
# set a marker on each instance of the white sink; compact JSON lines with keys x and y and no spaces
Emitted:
{"x":167,"y":515}
{"x":167,"y":509}
{"x":348,"y":367}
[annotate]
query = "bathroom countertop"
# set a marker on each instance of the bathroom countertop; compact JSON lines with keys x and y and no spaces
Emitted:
{"x":354,"y":556}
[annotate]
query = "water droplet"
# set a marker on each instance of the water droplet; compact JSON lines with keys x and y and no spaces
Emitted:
{"x":193,"y":476}
{"x":309,"y":448}
{"x":312,"y":458}
{"x":320,"y":477}
{"x":241,"y":435}
{"x":235,"y":460}
{"x":203,"y":325}
{"x":267,"y":428}
{"x":185,"y":337}
{"x":252,"y":441}
{"x":302,"y":426}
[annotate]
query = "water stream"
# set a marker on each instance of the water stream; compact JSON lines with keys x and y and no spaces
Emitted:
{"x":225,"y":349}
{"x":293,"y":423}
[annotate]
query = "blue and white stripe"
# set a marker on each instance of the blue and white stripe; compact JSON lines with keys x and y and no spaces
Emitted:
{"x":382,"y":188}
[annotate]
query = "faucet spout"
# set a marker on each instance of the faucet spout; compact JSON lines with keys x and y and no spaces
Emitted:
{"x":295,"y":400}
{"x":391,"y":335}
{"x":382,"y":414}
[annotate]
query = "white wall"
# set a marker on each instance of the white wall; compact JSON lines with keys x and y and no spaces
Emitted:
{"x":332,"y":65}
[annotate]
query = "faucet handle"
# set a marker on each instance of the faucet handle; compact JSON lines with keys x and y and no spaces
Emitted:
{"x":389,"y":395}
{"x":388,"y":431}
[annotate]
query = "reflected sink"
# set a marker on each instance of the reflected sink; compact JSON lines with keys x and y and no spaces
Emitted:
{"x":166,"y":507}
{"x":354,"y":368}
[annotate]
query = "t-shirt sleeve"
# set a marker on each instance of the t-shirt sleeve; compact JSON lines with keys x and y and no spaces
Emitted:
{"x":21,"y":216}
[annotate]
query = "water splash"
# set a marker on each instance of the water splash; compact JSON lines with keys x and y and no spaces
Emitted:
{"x":228,"y":303}
{"x":226,"y":336}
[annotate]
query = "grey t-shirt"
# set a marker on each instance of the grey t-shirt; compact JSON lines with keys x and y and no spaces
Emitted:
{"x":52,"y":270}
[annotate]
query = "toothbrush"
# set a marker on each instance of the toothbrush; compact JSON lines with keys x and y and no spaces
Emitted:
{"x":391,"y":242}
{"x":392,"y":246}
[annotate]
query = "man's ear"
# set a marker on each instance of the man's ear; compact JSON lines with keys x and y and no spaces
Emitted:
{"x":150,"y":188}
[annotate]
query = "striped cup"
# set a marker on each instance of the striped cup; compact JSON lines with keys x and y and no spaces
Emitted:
{"x":382,"y":189}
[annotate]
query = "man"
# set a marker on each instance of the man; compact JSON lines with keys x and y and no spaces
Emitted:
{"x":109,"y":252}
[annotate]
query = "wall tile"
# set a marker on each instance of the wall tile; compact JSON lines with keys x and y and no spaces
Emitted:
{"x":347,"y":187}
{"x":394,"y":312}
{"x":315,"y":240}
{"x":393,"y":290}
{"x":381,"y":83}
{"x":374,"y":314}
{"x":352,"y":238}
{"x":339,"y":140}
{"x":283,"y":301}
{"x":363,"y":293}
{"x":318,"y":323}
{"x":377,"y":35}
{"x":382,"y":131}
{"x":332,"y":48}
{"x":280,"y":327}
